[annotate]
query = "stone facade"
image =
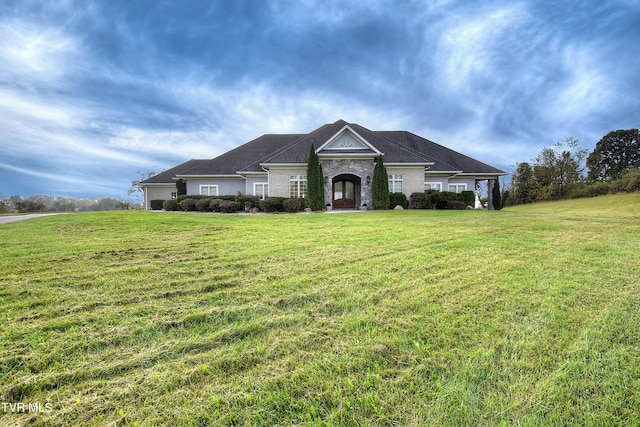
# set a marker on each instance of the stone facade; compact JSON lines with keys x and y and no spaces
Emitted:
{"x":358,"y":167}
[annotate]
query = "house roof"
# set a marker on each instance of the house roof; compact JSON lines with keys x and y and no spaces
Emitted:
{"x":167,"y":177}
{"x":243,"y":157}
{"x":397,"y":147}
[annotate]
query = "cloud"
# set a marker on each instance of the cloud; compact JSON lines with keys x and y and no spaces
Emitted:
{"x":35,"y":55}
{"x":470,"y":48}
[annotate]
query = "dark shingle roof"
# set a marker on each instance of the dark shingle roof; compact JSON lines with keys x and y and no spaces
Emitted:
{"x":168,"y":175}
{"x":397,"y":146}
{"x":244,"y":157}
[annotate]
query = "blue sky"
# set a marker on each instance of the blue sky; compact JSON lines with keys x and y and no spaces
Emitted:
{"x":93,"y":91}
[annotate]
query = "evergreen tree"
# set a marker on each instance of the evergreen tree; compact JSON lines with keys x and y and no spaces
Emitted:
{"x":315,"y":181}
{"x":380,"y":186}
{"x":181,"y":187}
{"x":497,"y":196}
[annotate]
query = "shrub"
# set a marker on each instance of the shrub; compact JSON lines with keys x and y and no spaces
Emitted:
{"x":628,"y":182}
{"x":398,"y":199}
{"x":228,"y":206}
{"x":418,"y":201}
{"x":187,"y":205}
{"x":170,"y":205}
{"x":456,"y":205}
{"x":214,"y":205}
{"x":156,"y":205}
{"x":293,"y":205}
{"x":243,"y":199}
{"x":437,"y":199}
{"x":469,"y":197}
{"x":380,"y":185}
{"x":273,"y":204}
{"x":199,"y":196}
{"x":202,"y":205}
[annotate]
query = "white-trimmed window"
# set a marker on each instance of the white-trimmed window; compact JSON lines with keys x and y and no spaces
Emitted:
{"x":433,"y":186}
{"x":395,"y":183}
{"x":457,"y":188}
{"x":297,"y":185}
{"x":261,"y":189}
{"x":208,"y":190}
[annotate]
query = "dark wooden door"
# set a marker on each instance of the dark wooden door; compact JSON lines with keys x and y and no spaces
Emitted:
{"x":344,"y":195}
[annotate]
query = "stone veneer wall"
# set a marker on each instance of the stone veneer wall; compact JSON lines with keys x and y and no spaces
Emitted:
{"x":360,"y":167}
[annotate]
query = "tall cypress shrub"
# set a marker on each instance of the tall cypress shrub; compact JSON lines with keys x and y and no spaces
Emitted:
{"x":181,"y":187}
{"x":315,"y":181}
{"x":380,"y":186}
{"x":497,"y":196}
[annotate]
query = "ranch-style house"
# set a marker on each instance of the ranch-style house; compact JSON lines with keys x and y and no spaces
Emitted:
{"x":276,"y":166}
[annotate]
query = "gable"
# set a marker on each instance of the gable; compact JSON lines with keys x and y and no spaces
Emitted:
{"x":347,"y":141}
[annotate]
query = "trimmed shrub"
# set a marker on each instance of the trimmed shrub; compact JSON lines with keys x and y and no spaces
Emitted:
{"x":243,"y":199}
{"x":202,"y":205}
{"x":437,"y":199}
{"x":380,"y":185}
{"x":419,"y":201}
{"x":469,"y":197}
{"x":170,"y":205}
{"x":398,"y":199}
{"x":228,"y":206}
{"x":199,"y":196}
{"x":156,"y":205}
{"x":293,"y":205}
{"x":273,"y":204}
{"x":181,"y":187}
{"x":456,"y":205}
{"x":214,"y":205}
{"x":187,"y":205}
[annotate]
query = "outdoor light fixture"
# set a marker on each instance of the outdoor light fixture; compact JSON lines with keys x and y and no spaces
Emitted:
{"x":368,"y":180}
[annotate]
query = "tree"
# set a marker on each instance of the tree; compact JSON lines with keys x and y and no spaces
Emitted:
{"x":558,"y":169}
{"x":181,"y":187}
{"x":615,"y":153}
{"x":522,"y":184}
{"x":380,"y":185}
{"x":315,"y":181}
{"x":135,"y":188}
{"x":497,"y":196}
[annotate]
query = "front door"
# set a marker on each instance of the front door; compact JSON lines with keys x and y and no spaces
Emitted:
{"x":344,"y":195}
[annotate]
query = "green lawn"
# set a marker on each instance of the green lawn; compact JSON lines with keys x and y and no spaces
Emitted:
{"x":528,"y":316}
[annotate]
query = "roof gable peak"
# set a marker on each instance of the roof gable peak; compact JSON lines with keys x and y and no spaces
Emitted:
{"x":347,"y":139}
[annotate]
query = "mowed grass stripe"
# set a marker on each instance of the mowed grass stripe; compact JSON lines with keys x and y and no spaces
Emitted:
{"x":529,"y":315}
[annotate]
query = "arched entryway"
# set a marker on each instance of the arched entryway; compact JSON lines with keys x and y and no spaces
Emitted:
{"x":345,"y":191}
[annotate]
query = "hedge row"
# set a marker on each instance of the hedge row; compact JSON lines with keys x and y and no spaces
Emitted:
{"x":432,"y":199}
{"x":239,"y":203}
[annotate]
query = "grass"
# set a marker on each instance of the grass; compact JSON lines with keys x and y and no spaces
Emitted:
{"x":527,"y":316}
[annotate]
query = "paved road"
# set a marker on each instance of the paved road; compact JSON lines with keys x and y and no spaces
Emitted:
{"x":14,"y":218}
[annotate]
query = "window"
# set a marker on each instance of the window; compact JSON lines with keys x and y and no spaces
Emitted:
{"x":432,"y":186}
{"x":297,"y":186}
{"x":208,"y":190}
{"x":457,"y":188}
{"x":261,"y":189}
{"x":395,"y":183}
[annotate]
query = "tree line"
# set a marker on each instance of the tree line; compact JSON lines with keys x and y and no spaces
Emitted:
{"x":46,"y":203}
{"x":558,"y":172}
